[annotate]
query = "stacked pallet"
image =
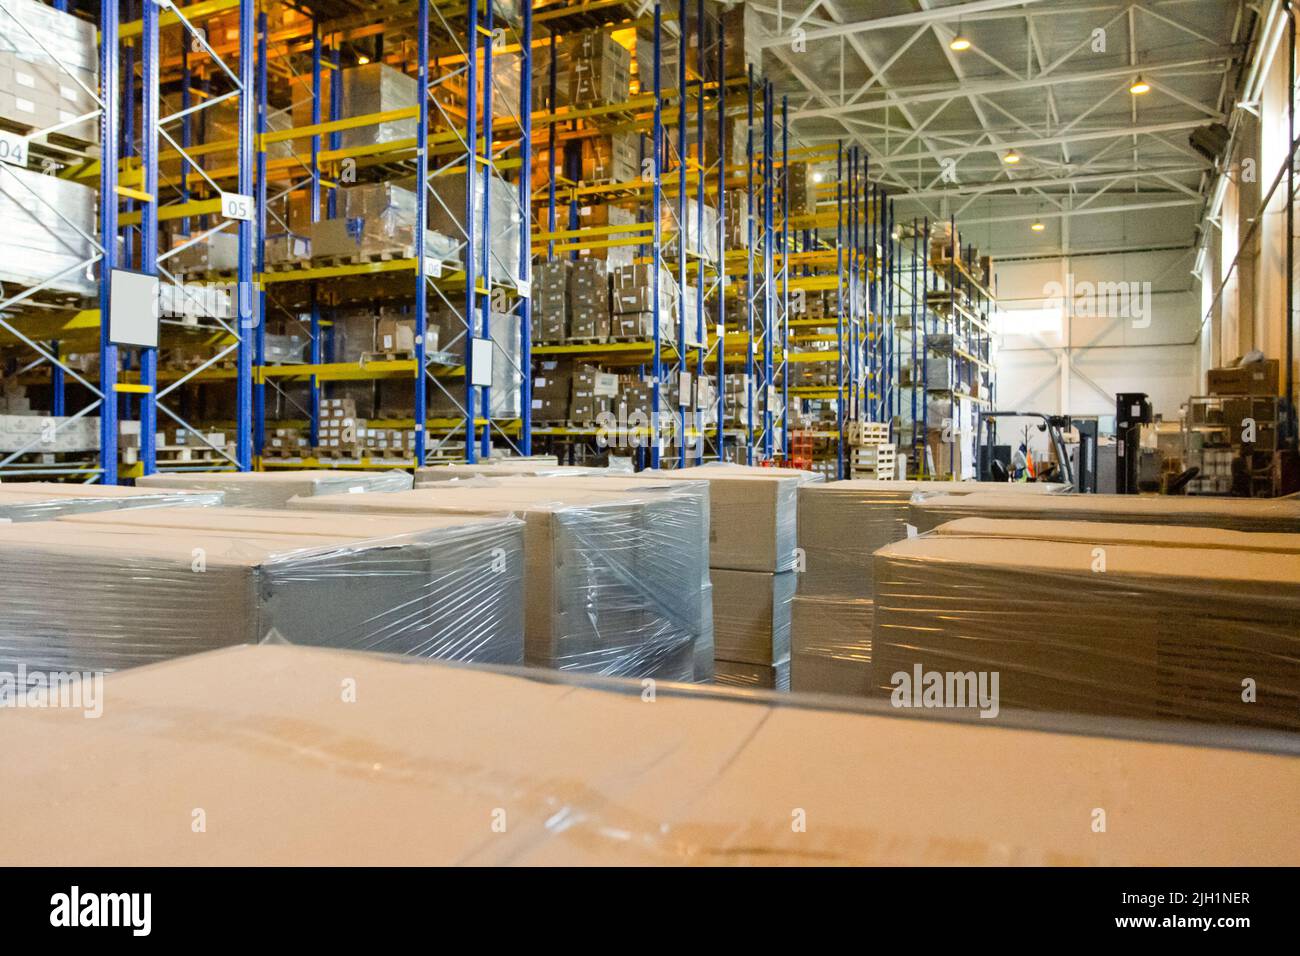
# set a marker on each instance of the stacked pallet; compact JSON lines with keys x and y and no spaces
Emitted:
{"x":403,"y":777}
{"x":143,"y":585}
{"x":752,"y":564}
{"x":1109,"y":619}
{"x":1246,"y":514}
{"x":610,"y":576}
{"x":273,"y":489}
{"x":40,"y":501}
{"x":841,"y":525}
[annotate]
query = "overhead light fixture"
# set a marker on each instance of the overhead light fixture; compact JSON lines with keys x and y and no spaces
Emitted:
{"x":1140,"y":86}
{"x":1011,"y":157}
{"x":959,"y":43}
{"x":1038,"y":226}
{"x":362,"y":60}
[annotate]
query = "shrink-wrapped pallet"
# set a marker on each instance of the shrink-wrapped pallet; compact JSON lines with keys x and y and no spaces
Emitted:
{"x":144,"y":585}
{"x":1107,"y":619}
{"x":42,"y":500}
{"x":605,"y":571}
{"x":273,"y":489}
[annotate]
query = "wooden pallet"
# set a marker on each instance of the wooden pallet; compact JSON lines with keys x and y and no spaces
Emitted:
{"x":353,"y":452}
{"x":368,"y":357}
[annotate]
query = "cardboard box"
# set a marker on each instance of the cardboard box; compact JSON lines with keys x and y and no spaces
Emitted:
{"x":830,"y":645}
{"x":1260,"y":378}
{"x":272,"y":489}
{"x":1127,"y":643}
{"x":726,"y":769}
{"x":751,"y":616}
{"x":181,"y":580}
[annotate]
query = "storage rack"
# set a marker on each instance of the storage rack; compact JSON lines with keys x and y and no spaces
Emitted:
{"x":949,"y":327}
{"x":160,"y":163}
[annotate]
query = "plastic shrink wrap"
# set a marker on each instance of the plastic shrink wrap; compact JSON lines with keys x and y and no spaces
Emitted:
{"x":111,"y":590}
{"x":273,"y":489}
{"x":604,"y":571}
{"x":1107,"y":619}
{"x":507,"y":468}
{"x":40,"y":500}
{"x":753,"y":676}
{"x":594,"y":776}
{"x":685,"y":506}
{"x":841,"y":524}
{"x":1235,"y":514}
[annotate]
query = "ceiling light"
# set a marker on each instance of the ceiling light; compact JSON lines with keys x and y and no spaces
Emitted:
{"x":363,"y":59}
{"x":959,"y":43}
{"x":817,"y":177}
{"x":1038,"y":226}
{"x":1139,"y":87}
{"x":1012,"y":157}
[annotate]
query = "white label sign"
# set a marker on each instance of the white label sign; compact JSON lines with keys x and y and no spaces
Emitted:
{"x":433,"y":267}
{"x":524,"y":287}
{"x":13,"y":149}
{"x":237,"y":206}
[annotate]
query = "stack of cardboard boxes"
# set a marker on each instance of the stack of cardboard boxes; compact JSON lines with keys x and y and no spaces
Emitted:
{"x":49,"y":71}
{"x":752,"y":560}
{"x":611,"y":158}
{"x":633,"y":297}
{"x":340,"y":430}
{"x":588,"y":300}
{"x":287,"y":443}
{"x":550,"y":302}
{"x":600,"y":69}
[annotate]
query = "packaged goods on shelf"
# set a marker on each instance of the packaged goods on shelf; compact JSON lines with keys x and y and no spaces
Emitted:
{"x":216,"y":252}
{"x":282,"y":248}
{"x":367,"y":89}
{"x":550,"y":302}
{"x":285,"y":349}
{"x":507,"y":374}
{"x":719,"y":768}
{"x":542,"y":89}
{"x":38,"y":244}
{"x":741,"y":32}
{"x":397,"y":335}
{"x":588,"y":292}
{"x":130,"y":594}
{"x":40,"y":500}
{"x":49,"y":64}
{"x":271,"y":489}
{"x":287,"y":443}
{"x":591,"y":395}
{"x":601,"y":215}
{"x":49,"y":434}
{"x":802,"y":189}
{"x":1257,"y":378}
{"x":1280,"y":515}
{"x":752,"y":676}
{"x":595,"y":562}
{"x":447,"y":209}
{"x":552,"y":391}
{"x":612,"y":158}
{"x":374,"y":219}
{"x":634,"y":289}
{"x":1124,"y":642}
{"x":698,"y":243}
{"x":600,"y":69}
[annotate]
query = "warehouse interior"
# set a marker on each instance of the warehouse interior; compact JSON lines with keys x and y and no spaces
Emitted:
{"x":616,"y":430}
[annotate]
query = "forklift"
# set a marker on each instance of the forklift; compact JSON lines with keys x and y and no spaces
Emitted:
{"x":994,"y":462}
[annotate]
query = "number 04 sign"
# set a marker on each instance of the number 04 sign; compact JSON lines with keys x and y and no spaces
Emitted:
{"x":237,"y":206}
{"x":13,"y":149}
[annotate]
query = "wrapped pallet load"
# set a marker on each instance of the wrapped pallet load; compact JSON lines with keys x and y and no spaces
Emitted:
{"x":752,"y":564}
{"x":1111,"y":619}
{"x":143,"y":585}
{"x":684,"y":505}
{"x":273,"y":489}
{"x":610,"y":575}
{"x":841,"y":524}
{"x":1235,"y":514}
{"x":42,"y":500}
{"x":592,"y":775}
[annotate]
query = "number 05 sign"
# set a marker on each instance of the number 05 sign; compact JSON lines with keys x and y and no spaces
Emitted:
{"x":237,"y":206}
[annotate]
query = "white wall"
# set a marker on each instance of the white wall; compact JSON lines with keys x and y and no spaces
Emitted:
{"x":1096,"y":350}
